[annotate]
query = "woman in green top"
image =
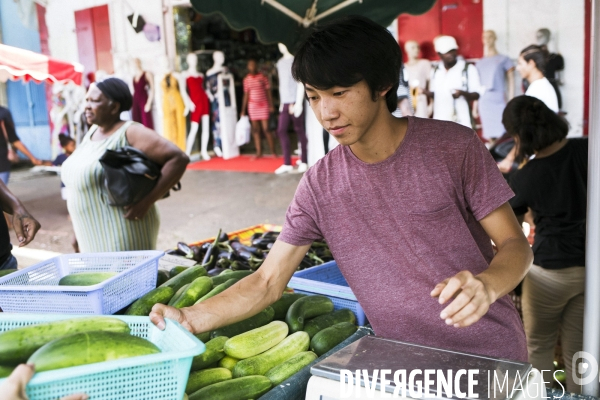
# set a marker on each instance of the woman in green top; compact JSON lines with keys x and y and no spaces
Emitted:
{"x":98,"y":226}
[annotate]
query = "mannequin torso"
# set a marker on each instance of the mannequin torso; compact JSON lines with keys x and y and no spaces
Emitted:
{"x":143,"y":95}
{"x":418,"y":72}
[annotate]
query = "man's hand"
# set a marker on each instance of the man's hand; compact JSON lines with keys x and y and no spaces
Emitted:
{"x":457,"y":93}
{"x":25,"y":227}
{"x":14,"y":386}
{"x":472,"y":299}
{"x":160,"y":312}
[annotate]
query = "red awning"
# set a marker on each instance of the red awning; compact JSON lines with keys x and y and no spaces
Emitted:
{"x":17,"y":63}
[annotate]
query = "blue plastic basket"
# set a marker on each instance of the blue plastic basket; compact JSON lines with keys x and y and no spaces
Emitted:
{"x":35,"y":289}
{"x":155,"y":376}
{"x":327,"y":280}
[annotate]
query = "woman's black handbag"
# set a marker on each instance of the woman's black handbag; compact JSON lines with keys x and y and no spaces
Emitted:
{"x":129,"y":175}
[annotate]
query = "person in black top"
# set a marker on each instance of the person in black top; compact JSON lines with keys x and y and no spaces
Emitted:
{"x":8,"y":135}
{"x":554,"y":186}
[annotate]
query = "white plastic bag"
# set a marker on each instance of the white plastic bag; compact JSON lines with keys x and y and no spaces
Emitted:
{"x":242,"y":131}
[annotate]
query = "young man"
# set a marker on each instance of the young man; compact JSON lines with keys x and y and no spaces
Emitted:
{"x":407,"y":205}
{"x":454,"y":83}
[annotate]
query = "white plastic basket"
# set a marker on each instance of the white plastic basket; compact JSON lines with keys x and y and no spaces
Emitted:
{"x":155,"y":376}
{"x":35,"y":289}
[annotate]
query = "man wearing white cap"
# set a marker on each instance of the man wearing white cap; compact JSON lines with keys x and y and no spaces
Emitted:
{"x":453,"y":84}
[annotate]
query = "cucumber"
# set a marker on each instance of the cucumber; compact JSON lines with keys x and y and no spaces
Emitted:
{"x":217,"y":289}
{"x":328,"y":338}
{"x":203,"y":337}
{"x":260,"y":319}
{"x":178,"y":294}
{"x":5,"y":371}
{"x":199,"y":379}
{"x":228,"y":362}
{"x":85,"y":278}
{"x":212,"y":354}
{"x":161,"y":277}
{"x":325,"y":321}
{"x":305,"y":308}
{"x":262,"y":363}
{"x":282,"y":305}
{"x":176,"y":271}
{"x":144,"y":304}
{"x":198,"y":288}
{"x":224,"y":277}
{"x":185,"y":277}
{"x":257,"y":340}
{"x":281,"y":372}
{"x":18,"y":344}
{"x":248,"y":387}
{"x":88,"y":348}
{"x":4,"y":272}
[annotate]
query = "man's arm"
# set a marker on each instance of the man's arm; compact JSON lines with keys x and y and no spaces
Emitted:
{"x":473,"y":295}
{"x":24,"y":224}
{"x":244,"y":299}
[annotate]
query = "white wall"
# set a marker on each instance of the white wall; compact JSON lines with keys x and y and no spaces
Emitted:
{"x":515,"y":23}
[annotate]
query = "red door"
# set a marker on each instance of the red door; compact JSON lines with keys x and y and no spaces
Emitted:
{"x":93,"y":39}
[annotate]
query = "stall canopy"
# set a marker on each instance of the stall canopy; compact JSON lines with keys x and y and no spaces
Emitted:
{"x":23,"y":64}
{"x":287,"y":21}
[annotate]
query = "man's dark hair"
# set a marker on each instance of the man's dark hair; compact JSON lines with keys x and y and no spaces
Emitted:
{"x":346,"y":51}
{"x":116,"y":90}
{"x":533,"y":124}
{"x":538,"y":54}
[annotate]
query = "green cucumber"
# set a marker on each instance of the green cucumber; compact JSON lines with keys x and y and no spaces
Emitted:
{"x":85,"y":278}
{"x":212,"y":354}
{"x":305,"y":308}
{"x":227,"y":271}
{"x":328,"y":338}
{"x":228,"y":362}
{"x":217,"y":289}
{"x":325,"y":321}
{"x":248,"y":387}
{"x":281,"y":372}
{"x":262,"y":363}
{"x":199,"y":379}
{"x":203,"y":337}
{"x":282,"y":305}
{"x":185,"y":277}
{"x":161,"y":277}
{"x":257,"y":340}
{"x":178,"y":294}
{"x":176,"y":271}
{"x":5,"y":371}
{"x":144,"y":304}
{"x":18,"y":344}
{"x":5,"y":272}
{"x":222,"y":278}
{"x":198,"y":288}
{"x":256,"y":321}
{"x":88,"y":348}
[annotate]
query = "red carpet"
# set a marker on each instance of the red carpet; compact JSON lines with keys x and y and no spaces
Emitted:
{"x":244,"y":163}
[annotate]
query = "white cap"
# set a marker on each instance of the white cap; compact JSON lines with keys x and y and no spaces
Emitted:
{"x":444,"y":44}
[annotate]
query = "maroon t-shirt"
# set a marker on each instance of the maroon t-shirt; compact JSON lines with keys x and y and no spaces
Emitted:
{"x":400,"y":226}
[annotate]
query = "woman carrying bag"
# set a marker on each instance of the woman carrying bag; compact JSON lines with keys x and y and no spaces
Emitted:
{"x":99,"y":226}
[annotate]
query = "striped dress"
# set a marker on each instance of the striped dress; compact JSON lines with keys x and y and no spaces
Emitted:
{"x":258,"y":104}
{"x":98,"y":226}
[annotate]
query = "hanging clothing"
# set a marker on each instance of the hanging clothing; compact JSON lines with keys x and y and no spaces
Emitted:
{"x":212,"y":84}
{"x":173,"y":119}
{"x":140,"y":98}
{"x":492,"y":73}
{"x":98,"y":226}
{"x":195,"y":86}
{"x":257,"y":86}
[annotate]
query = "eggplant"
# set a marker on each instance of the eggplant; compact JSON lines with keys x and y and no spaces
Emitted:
{"x":210,"y":258}
{"x":205,"y":246}
{"x":223,"y":237}
{"x":223,"y":263}
{"x":215,"y":271}
{"x":198,"y":253}
{"x":255,"y":235}
{"x":271,"y":234}
{"x":185,"y":249}
{"x":175,"y":252}
{"x":237,"y":246}
{"x":240,"y":266}
{"x":262,"y":242}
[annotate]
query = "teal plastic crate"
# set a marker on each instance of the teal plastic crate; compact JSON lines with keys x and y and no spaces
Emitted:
{"x":156,"y":376}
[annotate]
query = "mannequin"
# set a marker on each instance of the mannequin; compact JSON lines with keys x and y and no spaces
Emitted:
{"x":143,"y":95}
{"x":194,"y":81}
{"x":291,"y":95}
{"x":496,"y":72}
{"x":418,"y":71}
{"x":221,"y":94}
{"x":554,"y":64}
{"x":174,"y":105}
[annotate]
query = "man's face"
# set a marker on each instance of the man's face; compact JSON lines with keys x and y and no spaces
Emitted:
{"x":345,"y":112}
{"x":449,"y":58}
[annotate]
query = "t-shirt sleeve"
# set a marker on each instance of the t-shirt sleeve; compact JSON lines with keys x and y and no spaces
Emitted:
{"x":485,"y":189}
{"x":519,"y":202}
{"x":473,"y":78}
{"x":300,"y":227}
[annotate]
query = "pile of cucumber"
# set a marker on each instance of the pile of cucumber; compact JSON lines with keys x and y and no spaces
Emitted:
{"x":246,"y":359}
{"x":69,"y":343}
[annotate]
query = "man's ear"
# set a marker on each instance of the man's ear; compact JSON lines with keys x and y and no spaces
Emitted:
{"x":384,"y":92}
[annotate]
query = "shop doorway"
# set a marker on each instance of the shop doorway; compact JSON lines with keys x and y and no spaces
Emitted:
{"x":93,"y":39}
